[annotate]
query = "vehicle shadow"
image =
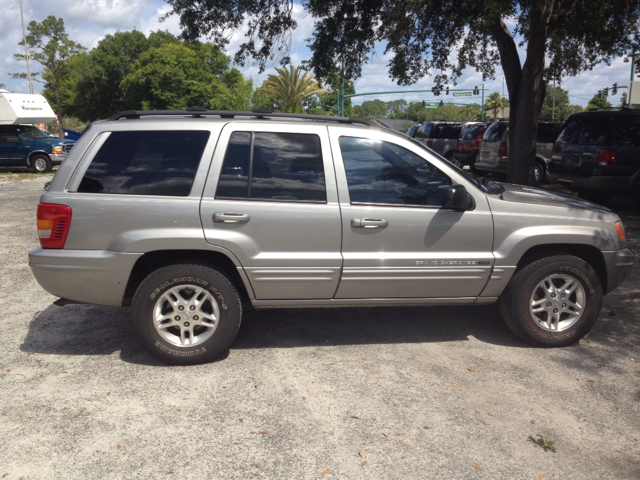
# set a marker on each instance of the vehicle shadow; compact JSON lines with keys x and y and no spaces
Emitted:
{"x":97,"y":330}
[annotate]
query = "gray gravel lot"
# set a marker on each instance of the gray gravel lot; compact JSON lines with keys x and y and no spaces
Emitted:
{"x":397,"y":393}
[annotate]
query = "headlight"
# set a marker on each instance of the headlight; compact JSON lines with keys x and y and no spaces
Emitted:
{"x":57,"y":149}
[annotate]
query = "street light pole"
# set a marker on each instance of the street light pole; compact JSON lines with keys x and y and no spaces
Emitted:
{"x":482,"y":101}
{"x":26,"y":51}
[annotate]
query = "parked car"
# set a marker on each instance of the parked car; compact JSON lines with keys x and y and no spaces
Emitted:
{"x":72,"y":134}
{"x":25,"y":146}
{"x":412,"y":130}
{"x":441,"y":136}
{"x":183,"y":213}
{"x":468,"y":144}
{"x":599,"y":153}
{"x":494,"y":148}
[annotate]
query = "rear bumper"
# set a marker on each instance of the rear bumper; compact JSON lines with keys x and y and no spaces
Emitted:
{"x":601,"y":184}
{"x":466,"y":158}
{"x":87,"y":276}
{"x":619,"y":264}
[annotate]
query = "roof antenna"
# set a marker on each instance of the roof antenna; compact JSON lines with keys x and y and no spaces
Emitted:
{"x":196,"y":108}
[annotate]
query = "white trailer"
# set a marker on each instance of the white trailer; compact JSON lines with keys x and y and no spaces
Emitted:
{"x":24,"y":108}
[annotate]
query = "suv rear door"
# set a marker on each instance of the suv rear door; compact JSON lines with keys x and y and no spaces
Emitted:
{"x":271,"y":200}
{"x":398,"y":241}
{"x":580,"y":142}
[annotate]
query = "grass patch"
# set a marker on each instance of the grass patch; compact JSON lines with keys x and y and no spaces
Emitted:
{"x":19,"y":175}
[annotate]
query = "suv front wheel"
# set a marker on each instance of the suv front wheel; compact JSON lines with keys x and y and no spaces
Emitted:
{"x":186,"y":314}
{"x":552,"y":302}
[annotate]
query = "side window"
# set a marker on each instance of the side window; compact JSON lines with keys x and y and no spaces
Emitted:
{"x":384,"y":173}
{"x":548,"y":132}
{"x":586,"y":129}
{"x":424,"y":131}
{"x":273,"y":166}
{"x":625,"y":131}
{"x":159,"y":162}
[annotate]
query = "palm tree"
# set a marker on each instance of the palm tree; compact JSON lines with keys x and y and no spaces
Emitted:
{"x":291,"y":86}
{"x":494,"y":103}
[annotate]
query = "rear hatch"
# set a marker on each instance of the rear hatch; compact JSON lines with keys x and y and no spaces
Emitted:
{"x":577,"y":151}
{"x":490,"y":145}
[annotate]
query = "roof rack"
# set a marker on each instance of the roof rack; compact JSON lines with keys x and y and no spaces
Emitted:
{"x":259,"y":113}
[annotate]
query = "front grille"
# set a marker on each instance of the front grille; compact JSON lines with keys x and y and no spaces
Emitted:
{"x":68,"y":147}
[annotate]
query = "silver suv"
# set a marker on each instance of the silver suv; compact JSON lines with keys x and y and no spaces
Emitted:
{"x":185,"y":214}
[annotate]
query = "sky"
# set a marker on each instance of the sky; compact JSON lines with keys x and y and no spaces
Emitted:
{"x":88,"y":21}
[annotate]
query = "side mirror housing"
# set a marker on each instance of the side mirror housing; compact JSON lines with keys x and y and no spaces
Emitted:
{"x":14,"y":140}
{"x":457,"y":198}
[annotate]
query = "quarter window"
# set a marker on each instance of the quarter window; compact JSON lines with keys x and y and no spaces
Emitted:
{"x":384,"y":173}
{"x":273,"y":166}
{"x":158,"y":162}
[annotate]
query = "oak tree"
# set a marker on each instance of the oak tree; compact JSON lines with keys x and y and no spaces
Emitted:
{"x":440,"y":36}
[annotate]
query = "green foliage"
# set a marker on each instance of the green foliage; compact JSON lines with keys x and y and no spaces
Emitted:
{"x":53,"y":50}
{"x":547,"y":445}
{"x":623,"y":100}
{"x":291,"y":86}
{"x":494,"y":104}
{"x":333,"y":81}
{"x":372,"y":109}
{"x":2,"y":85}
{"x":599,"y":103}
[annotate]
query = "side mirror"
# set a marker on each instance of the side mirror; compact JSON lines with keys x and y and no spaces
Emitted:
{"x":457,"y":198}
{"x":14,"y":140}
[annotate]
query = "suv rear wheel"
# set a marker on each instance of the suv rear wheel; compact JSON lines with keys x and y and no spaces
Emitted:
{"x":186,"y":314}
{"x":552,"y":302}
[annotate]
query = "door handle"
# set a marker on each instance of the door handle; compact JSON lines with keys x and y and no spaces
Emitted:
{"x":220,"y":217}
{"x":369,"y":223}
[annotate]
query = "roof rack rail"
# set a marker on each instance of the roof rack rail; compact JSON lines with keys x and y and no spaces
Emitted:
{"x":259,"y":113}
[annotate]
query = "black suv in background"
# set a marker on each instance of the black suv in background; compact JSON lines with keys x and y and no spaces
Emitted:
{"x":598,"y":152}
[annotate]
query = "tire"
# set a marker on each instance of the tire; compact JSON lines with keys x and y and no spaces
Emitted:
{"x":538,"y":172}
{"x":529,"y":295}
{"x":40,"y":164}
{"x":451,"y":156}
{"x":201,"y":324}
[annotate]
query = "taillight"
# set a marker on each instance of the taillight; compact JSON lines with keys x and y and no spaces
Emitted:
{"x":607,"y":157}
{"x":53,"y":224}
{"x":502,"y":149}
{"x":429,"y":143}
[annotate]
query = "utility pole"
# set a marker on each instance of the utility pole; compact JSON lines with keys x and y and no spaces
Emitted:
{"x":26,"y":51}
{"x":482,"y":118}
{"x":633,"y":74}
{"x":553,"y":110}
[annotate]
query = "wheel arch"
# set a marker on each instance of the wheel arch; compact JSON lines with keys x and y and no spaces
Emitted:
{"x":34,"y":153}
{"x":151,"y":261}
{"x":588,"y":253}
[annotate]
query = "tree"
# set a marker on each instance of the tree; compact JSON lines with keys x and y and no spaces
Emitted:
{"x":291,"y":86}
{"x":176,"y":76}
{"x":443,"y":35}
{"x":623,"y":100}
{"x":372,"y":109}
{"x":53,"y":49}
{"x":333,"y":81}
{"x":2,"y":85}
{"x":562,"y":108}
{"x":495,"y":103}
{"x":599,"y":103}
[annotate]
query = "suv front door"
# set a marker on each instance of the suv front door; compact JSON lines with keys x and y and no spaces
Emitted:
{"x":271,"y":200}
{"x":398,"y":240}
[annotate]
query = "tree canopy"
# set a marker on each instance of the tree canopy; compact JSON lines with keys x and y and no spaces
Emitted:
{"x":52,"y":49}
{"x":599,"y":103}
{"x":441,"y":36}
{"x":291,"y":86}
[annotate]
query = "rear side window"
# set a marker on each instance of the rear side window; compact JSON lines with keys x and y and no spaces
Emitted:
{"x":625,"y":131}
{"x":424,"y":130}
{"x":159,"y":162}
{"x":495,"y":132}
{"x":548,"y":132}
{"x":273,"y":166}
{"x":446,"y":130}
{"x":586,"y":130}
{"x":472,"y":132}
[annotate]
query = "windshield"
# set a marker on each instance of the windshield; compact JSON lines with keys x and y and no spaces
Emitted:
{"x":472,"y":132}
{"x":31,"y":133}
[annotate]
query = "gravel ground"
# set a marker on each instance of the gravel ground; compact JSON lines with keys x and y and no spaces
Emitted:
{"x":406,"y":393}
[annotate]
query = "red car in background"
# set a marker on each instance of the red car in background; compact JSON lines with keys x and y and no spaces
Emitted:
{"x":468,"y":145}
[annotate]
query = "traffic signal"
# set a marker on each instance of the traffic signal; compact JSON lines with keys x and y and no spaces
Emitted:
{"x":605,"y":91}
{"x":441,"y":104}
{"x":475,"y":90}
{"x":424,"y":104}
{"x":614,"y":89}
{"x":600,"y":93}
{"x":447,"y":90}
